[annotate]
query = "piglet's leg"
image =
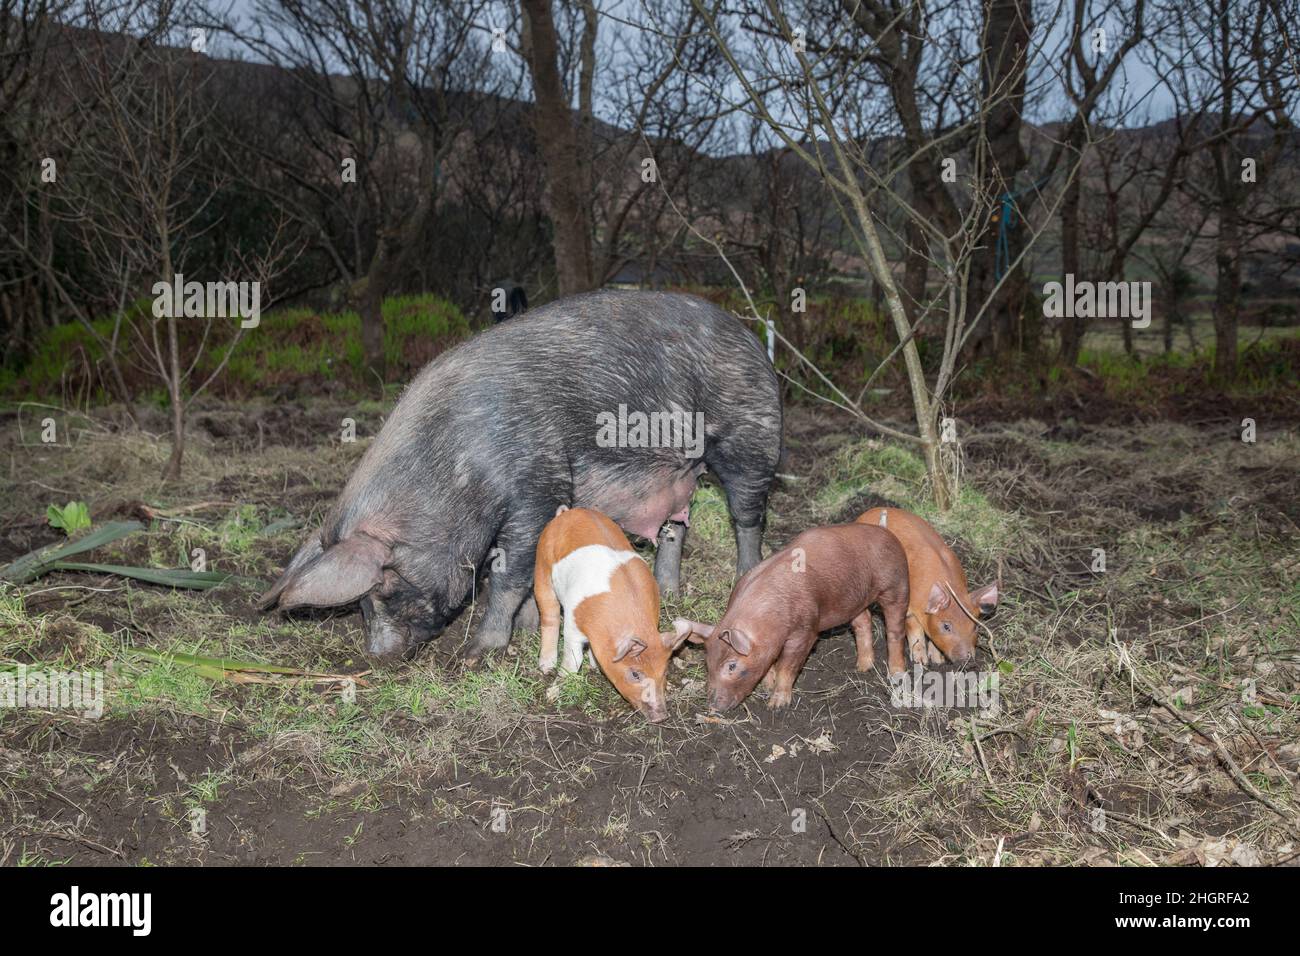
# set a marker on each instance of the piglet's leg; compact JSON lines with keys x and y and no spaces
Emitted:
{"x":787,"y":668}
{"x":862,"y":635}
{"x":573,"y":644}
{"x":916,"y":640}
{"x":936,"y":655}
{"x":895,"y":625}
{"x":548,"y":610}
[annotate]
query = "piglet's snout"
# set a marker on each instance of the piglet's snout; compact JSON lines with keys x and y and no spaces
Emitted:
{"x":653,"y":705}
{"x":963,"y":657}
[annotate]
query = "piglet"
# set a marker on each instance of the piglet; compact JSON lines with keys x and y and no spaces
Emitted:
{"x":611,"y":603}
{"x":940,"y":607}
{"x":824,"y":578}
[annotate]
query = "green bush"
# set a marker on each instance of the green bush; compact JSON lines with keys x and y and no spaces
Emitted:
{"x":296,"y":346}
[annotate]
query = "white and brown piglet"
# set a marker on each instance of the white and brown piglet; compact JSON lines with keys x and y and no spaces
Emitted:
{"x":611,"y":603}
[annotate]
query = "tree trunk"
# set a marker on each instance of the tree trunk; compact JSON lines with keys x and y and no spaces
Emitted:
{"x":1004,"y":62}
{"x":915,"y":270}
{"x":172,"y":470}
{"x":1227,"y":291}
{"x":367,"y":297}
{"x":1072,"y":326}
{"x":566,"y":195}
{"x":1167,"y":328}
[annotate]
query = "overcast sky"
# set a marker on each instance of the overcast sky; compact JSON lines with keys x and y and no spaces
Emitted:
{"x":1150,"y":101}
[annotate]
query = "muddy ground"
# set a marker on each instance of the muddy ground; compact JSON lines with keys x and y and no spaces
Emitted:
{"x":1145,"y":714}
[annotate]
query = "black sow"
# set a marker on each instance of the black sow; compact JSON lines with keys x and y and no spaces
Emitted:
{"x":616,"y":401}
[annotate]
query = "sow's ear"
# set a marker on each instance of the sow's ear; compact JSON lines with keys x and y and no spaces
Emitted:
{"x":693,"y":631}
{"x":318,"y":577}
{"x":737,"y":639}
{"x":986,"y":598}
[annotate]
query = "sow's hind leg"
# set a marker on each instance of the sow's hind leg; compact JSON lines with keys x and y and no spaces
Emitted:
{"x":745,"y":464}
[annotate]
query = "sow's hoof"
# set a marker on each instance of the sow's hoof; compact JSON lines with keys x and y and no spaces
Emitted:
{"x":483,"y":645}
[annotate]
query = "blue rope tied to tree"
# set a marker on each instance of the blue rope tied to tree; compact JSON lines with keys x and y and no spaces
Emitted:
{"x":1002,"y":260}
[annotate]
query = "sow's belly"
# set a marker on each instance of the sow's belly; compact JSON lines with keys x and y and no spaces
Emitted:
{"x":640,"y":505}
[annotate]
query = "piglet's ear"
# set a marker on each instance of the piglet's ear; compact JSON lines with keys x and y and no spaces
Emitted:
{"x":338,"y":575}
{"x":737,"y":639}
{"x":628,"y":645}
{"x":674,"y":639}
{"x":693,"y":631}
{"x":939,"y":599}
{"x":986,"y":598}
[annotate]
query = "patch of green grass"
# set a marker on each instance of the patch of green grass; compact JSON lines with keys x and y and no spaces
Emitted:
{"x":1263,"y":367}
{"x":56,"y":641}
{"x":709,"y":518}
{"x":304,"y":344}
{"x":504,"y":684}
{"x":289,"y":345}
{"x":236,"y":533}
{"x":166,"y":685}
{"x":34,"y":860}
{"x":869,"y":466}
{"x":18,"y":631}
{"x":587,"y":691}
{"x":207,"y":788}
{"x":412,"y":318}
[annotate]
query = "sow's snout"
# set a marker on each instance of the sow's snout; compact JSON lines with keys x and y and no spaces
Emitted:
{"x":389,"y":638}
{"x":386,"y":640}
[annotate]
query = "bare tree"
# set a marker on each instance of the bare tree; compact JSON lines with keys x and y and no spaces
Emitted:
{"x":1229,"y":62}
{"x":817,"y":97}
{"x":654,"y":95}
{"x":1090,"y":65}
{"x":383,"y":91}
{"x":138,"y":173}
{"x":28,"y":30}
{"x":565,"y":141}
{"x":35,"y":288}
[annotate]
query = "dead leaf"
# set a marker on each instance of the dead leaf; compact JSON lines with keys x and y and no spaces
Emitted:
{"x":821,"y":744}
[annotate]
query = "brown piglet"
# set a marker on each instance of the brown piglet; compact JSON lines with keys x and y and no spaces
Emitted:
{"x":941,"y":606}
{"x":825,"y":577}
{"x":610,"y":602}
